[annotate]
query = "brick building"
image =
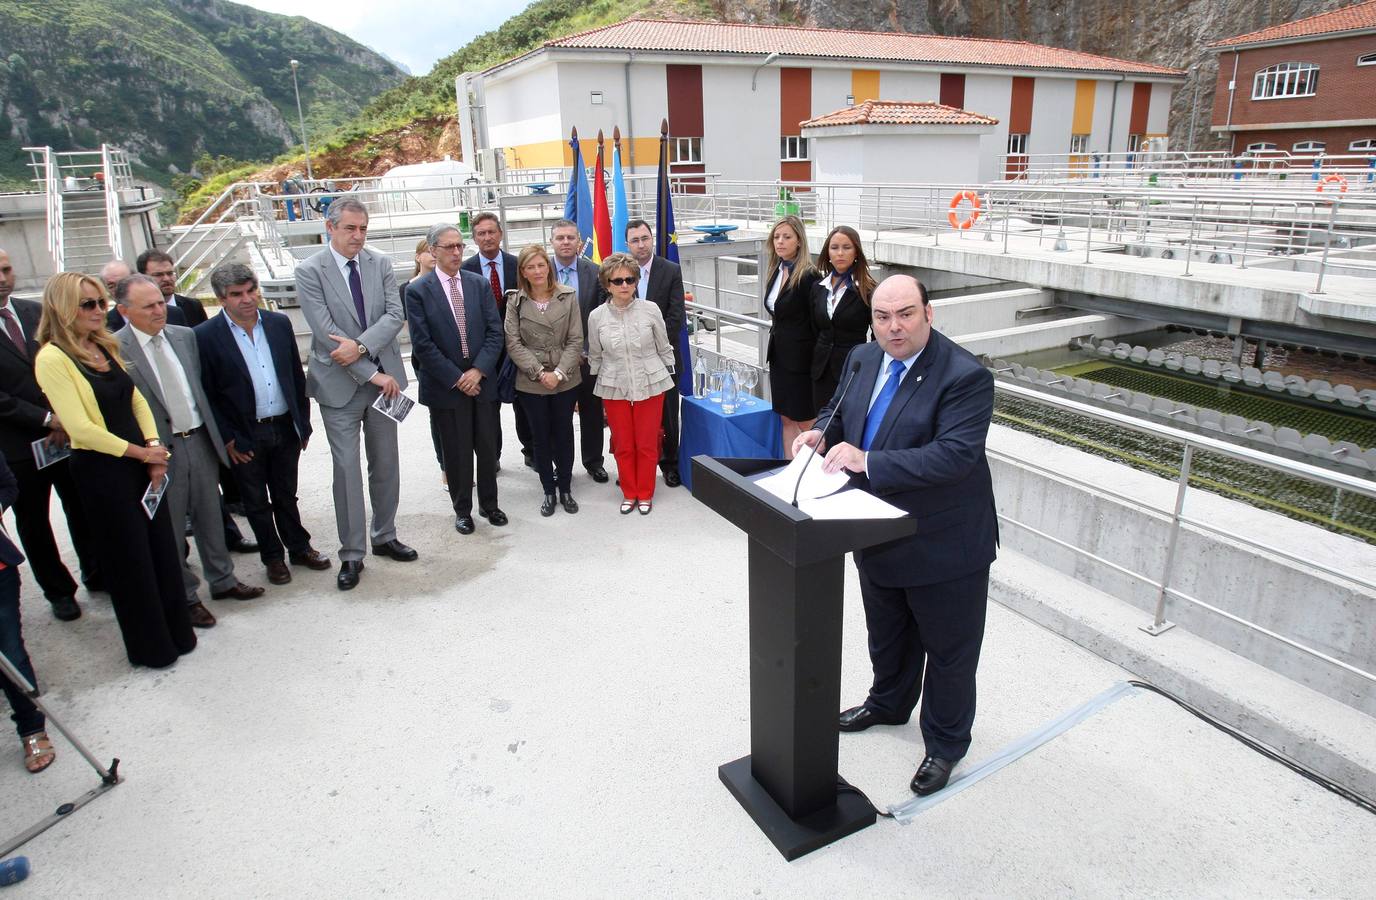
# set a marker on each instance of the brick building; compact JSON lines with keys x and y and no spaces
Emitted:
{"x":1303,"y":87}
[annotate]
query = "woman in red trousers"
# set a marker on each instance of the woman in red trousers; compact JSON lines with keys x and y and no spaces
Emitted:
{"x":629,"y":352}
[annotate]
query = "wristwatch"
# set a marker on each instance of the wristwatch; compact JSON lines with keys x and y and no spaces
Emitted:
{"x":48,"y":420}
{"x":363,"y":349}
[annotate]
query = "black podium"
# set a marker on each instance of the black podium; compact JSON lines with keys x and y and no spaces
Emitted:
{"x":789,"y":783}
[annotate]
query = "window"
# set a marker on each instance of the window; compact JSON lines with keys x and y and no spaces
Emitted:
{"x":1134,"y":143}
{"x":1079,"y":143}
{"x":1309,"y":147}
{"x":1260,"y":147}
{"x":792,"y":148}
{"x":1292,"y":79}
{"x":685,"y":150}
{"x":1367,"y":59}
{"x":1017,"y":145}
{"x":1366,"y":145}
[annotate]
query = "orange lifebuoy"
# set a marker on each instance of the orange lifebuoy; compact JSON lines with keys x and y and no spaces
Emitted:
{"x":1339,"y":180}
{"x":961,"y":197}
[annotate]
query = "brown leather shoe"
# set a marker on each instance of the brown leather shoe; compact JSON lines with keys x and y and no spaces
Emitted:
{"x":278,"y":573}
{"x":240,"y":591}
{"x":311,"y":559}
{"x":200,"y":616}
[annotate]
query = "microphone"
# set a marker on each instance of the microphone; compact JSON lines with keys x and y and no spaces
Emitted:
{"x":14,"y":870}
{"x":812,"y":451}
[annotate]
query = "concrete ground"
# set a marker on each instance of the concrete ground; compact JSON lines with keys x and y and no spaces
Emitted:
{"x":540,"y":710}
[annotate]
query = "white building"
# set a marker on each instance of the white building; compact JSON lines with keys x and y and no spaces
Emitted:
{"x":735,"y":95}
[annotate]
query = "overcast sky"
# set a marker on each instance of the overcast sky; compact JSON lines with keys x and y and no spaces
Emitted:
{"x":415,"y":33}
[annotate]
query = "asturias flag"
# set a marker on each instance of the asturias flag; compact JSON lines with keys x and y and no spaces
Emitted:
{"x":578,"y":204}
{"x":620,"y":214}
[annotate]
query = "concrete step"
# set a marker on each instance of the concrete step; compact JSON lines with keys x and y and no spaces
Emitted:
{"x":1323,"y":734}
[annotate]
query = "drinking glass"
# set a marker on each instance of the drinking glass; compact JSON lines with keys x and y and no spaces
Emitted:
{"x":715,"y":384}
{"x":751,"y":377}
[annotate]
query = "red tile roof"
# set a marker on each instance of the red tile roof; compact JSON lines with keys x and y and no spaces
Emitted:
{"x":718,"y":37}
{"x":895,"y":112}
{"x":1357,"y":17}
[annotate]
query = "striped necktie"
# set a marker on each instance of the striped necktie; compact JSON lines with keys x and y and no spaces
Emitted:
{"x":460,"y":317}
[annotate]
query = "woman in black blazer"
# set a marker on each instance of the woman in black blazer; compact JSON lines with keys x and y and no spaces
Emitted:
{"x":840,"y":309}
{"x":790,"y":277}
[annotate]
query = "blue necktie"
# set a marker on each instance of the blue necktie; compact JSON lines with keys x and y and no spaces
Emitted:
{"x":565,"y":276}
{"x":881,"y":403}
{"x":356,"y":288}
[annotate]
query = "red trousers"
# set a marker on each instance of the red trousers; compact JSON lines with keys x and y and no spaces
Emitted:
{"x":635,"y":443}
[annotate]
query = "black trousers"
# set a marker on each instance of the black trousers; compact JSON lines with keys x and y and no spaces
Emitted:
{"x":141,"y":558}
{"x":668,"y":454}
{"x":936,"y":628}
{"x":267,"y":484}
{"x":35,"y":529}
{"x":468,"y":431}
{"x":591,"y":421}
{"x":551,"y":431}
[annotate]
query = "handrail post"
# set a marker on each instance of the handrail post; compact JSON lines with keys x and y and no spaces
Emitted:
{"x":1189,"y":238}
{"x":1159,"y":624}
{"x":1247,"y":233}
{"x":1327,"y":242}
{"x":1007,"y":212}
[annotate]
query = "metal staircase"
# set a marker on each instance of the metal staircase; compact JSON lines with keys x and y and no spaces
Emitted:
{"x":82,"y":190}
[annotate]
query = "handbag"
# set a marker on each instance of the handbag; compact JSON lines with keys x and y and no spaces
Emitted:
{"x":506,"y":374}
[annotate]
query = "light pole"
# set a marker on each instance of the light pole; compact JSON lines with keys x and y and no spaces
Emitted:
{"x":302,"y":119}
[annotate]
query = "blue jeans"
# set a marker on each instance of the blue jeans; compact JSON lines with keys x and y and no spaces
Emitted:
{"x":26,"y":715}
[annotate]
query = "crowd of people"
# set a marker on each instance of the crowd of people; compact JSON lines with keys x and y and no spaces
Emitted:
{"x":168,"y":416}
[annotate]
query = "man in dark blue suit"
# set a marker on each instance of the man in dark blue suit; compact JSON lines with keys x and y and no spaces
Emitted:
{"x":911,"y":430}
{"x":498,"y":269}
{"x":456,"y":333}
{"x":251,"y":373}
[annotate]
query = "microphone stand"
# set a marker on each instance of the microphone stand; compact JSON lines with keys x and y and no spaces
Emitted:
{"x":812,"y":450}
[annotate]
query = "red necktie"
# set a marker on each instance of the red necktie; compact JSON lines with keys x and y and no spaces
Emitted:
{"x":460,"y":318}
{"x":496,"y":282}
{"x":12,"y":327}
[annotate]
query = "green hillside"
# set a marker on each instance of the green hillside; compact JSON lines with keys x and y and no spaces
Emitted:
{"x":172,"y":80}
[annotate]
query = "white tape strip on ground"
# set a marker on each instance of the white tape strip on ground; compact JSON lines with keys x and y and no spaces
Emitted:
{"x":903,"y":813}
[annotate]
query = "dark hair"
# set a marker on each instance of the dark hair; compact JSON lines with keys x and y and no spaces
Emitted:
{"x":636,"y":223}
{"x":860,"y":277}
{"x":124,"y":284}
{"x":231,"y":275}
{"x":483,"y":217}
{"x":151,"y":256}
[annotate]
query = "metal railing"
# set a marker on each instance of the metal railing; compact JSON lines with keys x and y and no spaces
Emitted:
{"x":1259,"y":170}
{"x":45,"y":173}
{"x":111,"y":173}
{"x":1175,"y":517}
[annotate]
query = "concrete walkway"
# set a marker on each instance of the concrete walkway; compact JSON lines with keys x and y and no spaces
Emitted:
{"x":540,"y":711}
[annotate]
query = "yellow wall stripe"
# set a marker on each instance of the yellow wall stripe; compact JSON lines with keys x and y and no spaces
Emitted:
{"x":1082,"y":122}
{"x":864,"y":84}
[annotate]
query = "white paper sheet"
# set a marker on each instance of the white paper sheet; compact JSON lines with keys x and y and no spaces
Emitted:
{"x":816,"y":483}
{"x":852,"y":504}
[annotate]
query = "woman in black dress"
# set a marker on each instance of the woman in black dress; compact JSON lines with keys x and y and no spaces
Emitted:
{"x":840,"y":309}
{"x":116,"y":455}
{"x":789,"y":279}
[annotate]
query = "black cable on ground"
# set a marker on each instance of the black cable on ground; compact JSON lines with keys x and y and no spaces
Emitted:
{"x":845,"y":787}
{"x":1261,"y":748}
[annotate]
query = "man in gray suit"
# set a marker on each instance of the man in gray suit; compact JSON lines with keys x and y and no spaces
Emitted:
{"x":348,"y":294}
{"x":165,"y":365}
{"x":574,"y":269}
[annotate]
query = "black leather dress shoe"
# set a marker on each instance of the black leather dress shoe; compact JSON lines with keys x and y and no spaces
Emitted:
{"x":243,"y":545}
{"x":494,"y":516}
{"x":349,"y":570}
{"x":547,"y":506}
{"x":671,"y":478}
{"x":464,"y":524}
{"x":66,"y":609}
{"x":529,"y":460}
{"x":598,"y":473}
{"x":566,"y":500}
{"x":396,"y":550}
{"x":932,"y":775}
{"x":858,"y":718}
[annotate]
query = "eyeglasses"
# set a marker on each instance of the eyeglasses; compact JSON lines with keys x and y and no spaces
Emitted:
{"x":99,"y":303}
{"x":447,"y":248}
{"x":630,"y":279}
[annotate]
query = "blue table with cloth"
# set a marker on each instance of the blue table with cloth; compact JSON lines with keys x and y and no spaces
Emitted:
{"x":751,"y":432}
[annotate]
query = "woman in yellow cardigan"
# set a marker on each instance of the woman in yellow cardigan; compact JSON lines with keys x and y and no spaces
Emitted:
{"x":116,"y":454}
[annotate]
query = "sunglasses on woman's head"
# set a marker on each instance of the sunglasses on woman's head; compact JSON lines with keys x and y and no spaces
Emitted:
{"x":622,"y":281}
{"x":98,"y":303}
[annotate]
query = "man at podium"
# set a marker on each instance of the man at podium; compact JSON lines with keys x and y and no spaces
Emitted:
{"x":909,"y":423}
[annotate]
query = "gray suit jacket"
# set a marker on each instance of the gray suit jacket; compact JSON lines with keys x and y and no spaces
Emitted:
{"x":329,"y":309}
{"x":140,"y":369}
